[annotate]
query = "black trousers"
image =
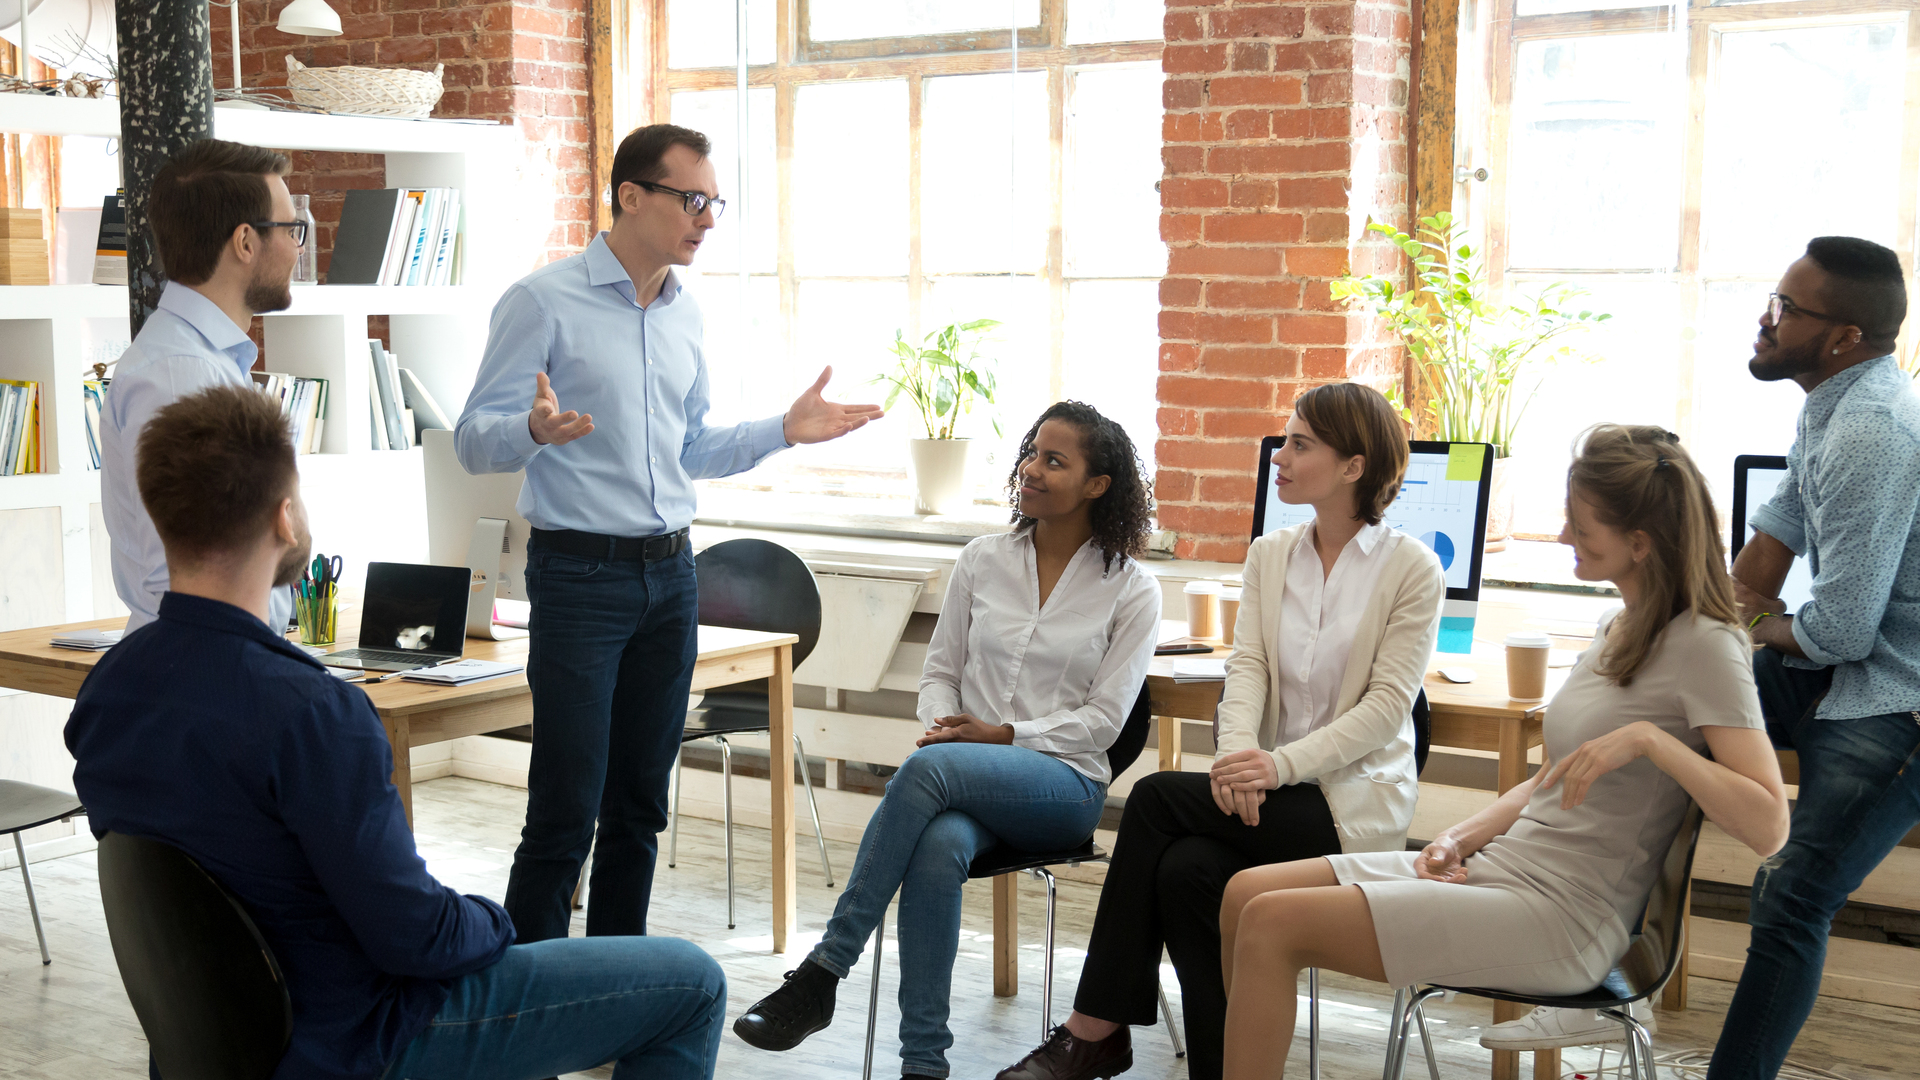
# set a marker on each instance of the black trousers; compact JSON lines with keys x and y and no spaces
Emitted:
{"x":1171,"y":863}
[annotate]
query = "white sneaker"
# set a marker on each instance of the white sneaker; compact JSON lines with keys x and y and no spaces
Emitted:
{"x":1546,"y":1028}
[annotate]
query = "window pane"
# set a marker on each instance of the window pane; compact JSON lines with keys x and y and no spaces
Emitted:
{"x":1734,"y":413}
{"x":984,"y":202}
{"x":850,"y":178}
{"x":1115,"y":20}
{"x":1112,"y":355}
{"x":1020,"y":348}
{"x":89,"y":171}
{"x":1561,"y":7}
{"x":1113,"y":161}
{"x":747,"y":365}
{"x":850,"y":325}
{"x":1839,"y":84}
{"x":700,"y":33}
{"x":847,"y":20}
{"x":1632,"y":380}
{"x":711,"y":112}
{"x":1596,"y":139}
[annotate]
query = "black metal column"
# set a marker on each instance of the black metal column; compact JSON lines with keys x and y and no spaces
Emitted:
{"x":166,"y":102}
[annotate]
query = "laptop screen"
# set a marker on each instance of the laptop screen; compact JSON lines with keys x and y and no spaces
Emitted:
{"x":1755,"y":478}
{"x":416,"y":608}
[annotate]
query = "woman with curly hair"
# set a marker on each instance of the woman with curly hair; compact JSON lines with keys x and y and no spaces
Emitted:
{"x":1041,"y":649}
{"x":1315,"y":738}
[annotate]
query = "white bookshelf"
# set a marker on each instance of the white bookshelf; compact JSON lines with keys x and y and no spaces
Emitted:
{"x":364,"y":504}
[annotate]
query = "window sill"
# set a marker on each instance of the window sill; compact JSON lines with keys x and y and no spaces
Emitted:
{"x":1538,"y":566}
{"x":842,"y":515}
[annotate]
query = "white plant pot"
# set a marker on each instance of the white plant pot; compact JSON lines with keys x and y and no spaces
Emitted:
{"x":938,"y":468}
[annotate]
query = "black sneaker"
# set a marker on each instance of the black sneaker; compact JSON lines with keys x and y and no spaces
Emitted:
{"x":783,"y":1019}
{"x":1065,"y":1057}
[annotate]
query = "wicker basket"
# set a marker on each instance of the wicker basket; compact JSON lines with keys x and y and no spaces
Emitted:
{"x":366,"y":91}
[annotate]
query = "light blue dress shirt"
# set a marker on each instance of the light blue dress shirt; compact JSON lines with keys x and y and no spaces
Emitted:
{"x":187,"y":345}
{"x":640,"y":371}
{"x":1848,"y":504}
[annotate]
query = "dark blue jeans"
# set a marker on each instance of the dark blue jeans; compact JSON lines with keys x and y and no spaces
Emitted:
{"x":610,"y":661}
{"x":1859,"y":794}
{"x":653,"y":1006}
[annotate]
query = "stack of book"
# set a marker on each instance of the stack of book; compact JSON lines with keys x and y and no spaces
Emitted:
{"x":398,"y":405}
{"x":19,"y":427}
{"x":302,"y":401}
{"x":23,"y":248}
{"x":462,"y":672}
{"x":95,"y":391}
{"x":87,"y":640}
{"x":397,"y":236}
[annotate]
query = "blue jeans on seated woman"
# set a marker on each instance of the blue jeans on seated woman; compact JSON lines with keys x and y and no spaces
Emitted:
{"x":948,"y":803}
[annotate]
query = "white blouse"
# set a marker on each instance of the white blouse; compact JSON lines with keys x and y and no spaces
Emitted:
{"x":1064,"y":676}
{"x":1318,"y":615}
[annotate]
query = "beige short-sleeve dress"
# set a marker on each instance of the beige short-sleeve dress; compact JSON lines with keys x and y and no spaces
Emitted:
{"x":1547,"y":905}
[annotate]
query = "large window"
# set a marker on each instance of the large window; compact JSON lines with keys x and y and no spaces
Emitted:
{"x":908,"y":167}
{"x":1673,"y":161}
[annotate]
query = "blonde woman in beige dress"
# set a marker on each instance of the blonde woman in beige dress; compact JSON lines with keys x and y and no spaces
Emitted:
{"x":1536,"y":893}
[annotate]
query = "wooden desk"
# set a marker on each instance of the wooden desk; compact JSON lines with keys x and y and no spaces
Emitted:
{"x":416,"y":714}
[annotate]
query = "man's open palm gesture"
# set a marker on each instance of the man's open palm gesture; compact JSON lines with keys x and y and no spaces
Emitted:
{"x":812,"y":418}
{"x":548,"y":425}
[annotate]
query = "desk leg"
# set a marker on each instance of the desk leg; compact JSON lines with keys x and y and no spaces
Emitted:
{"x":1006,"y":935}
{"x":780,"y":740}
{"x":1546,"y":1064}
{"x":400,"y":738}
{"x":1506,"y":1063}
{"x":1513,"y":753}
{"x":1168,"y":730}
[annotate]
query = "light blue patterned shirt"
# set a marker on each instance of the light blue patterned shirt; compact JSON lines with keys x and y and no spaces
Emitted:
{"x":1848,"y":504}
{"x":641,"y":372}
{"x":187,"y":345}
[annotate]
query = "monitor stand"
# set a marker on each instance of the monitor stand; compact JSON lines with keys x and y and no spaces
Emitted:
{"x":484,"y":550}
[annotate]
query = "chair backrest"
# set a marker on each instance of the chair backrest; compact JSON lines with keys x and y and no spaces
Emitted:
{"x":203,"y":982}
{"x":1654,"y":954}
{"x":753,"y":584}
{"x":1133,"y":735}
{"x":1422,"y":731}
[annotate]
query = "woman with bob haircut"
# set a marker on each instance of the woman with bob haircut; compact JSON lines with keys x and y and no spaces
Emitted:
{"x":1041,"y":650}
{"x":1536,"y":894}
{"x":1315,"y":749}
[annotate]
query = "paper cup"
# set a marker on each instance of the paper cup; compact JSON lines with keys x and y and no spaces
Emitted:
{"x":1527,"y":665}
{"x":1203,"y":609}
{"x":1229,"y":612}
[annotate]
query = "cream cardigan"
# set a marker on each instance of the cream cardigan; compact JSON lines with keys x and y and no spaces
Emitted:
{"x":1363,"y":759}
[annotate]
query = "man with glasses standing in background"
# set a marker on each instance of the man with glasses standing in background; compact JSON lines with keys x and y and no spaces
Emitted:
{"x":223,"y":222}
{"x":613,"y":335}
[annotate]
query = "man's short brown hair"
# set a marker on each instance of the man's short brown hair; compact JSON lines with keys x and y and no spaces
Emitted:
{"x":640,"y":154}
{"x":213,"y":469}
{"x":201,"y":195}
{"x":1354,"y":418}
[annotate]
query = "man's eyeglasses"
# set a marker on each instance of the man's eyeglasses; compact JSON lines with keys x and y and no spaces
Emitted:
{"x":1778,"y":307}
{"x":297,"y":228}
{"x":692,"y":202}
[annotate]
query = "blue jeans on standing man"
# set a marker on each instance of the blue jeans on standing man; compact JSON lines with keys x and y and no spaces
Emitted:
{"x":1859,"y":794}
{"x":610,"y":663}
{"x":653,"y":1006}
{"x":948,"y":803}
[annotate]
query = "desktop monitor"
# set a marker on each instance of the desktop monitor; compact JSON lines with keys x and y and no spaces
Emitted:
{"x":1755,"y":478}
{"x":1443,"y":501}
{"x":472,"y":521}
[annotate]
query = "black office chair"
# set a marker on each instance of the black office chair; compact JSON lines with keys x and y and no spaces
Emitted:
{"x":203,"y":982}
{"x":750,"y":585}
{"x":1651,"y":959}
{"x":1005,"y":860}
{"x":22,"y":807}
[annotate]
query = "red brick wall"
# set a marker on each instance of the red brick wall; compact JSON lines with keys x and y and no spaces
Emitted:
{"x":1285,"y":129}
{"x":518,"y":60}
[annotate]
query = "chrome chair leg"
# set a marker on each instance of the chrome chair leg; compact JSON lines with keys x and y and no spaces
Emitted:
{"x":673,"y":815}
{"x":806,"y":777}
{"x":873,"y":994}
{"x":1426,"y":1042}
{"x":1046,"y":983}
{"x":726,"y":786}
{"x":1173,"y":1030}
{"x":1401,"y":1032}
{"x":1393,"y":1030}
{"x":1313,"y":1022}
{"x":33,"y":906}
{"x":1639,"y":1048}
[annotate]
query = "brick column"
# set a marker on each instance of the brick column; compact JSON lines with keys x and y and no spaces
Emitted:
{"x":1284,"y":133}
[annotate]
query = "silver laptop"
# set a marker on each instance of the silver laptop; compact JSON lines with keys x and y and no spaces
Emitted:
{"x":414,"y":616}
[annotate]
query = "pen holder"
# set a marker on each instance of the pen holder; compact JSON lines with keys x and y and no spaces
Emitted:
{"x":318,"y":616}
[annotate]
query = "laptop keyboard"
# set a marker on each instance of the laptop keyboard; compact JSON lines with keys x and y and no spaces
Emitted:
{"x":389,"y":656}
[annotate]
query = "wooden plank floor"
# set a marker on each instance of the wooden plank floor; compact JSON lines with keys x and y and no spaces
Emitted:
{"x":71,"y":1021}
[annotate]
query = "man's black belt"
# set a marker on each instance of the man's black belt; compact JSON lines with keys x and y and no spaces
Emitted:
{"x":588,"y":545}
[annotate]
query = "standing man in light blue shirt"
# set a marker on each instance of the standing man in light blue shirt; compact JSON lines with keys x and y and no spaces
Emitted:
{"x":613,"y":335}
{"x":223,"y":221}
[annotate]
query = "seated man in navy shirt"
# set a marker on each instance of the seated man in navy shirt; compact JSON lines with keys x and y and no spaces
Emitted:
{"x":209,"y":731}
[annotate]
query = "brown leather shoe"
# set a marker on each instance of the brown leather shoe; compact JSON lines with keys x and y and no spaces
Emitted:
{"x":1065,"y":1057}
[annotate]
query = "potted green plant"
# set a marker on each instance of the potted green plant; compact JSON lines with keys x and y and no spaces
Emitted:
{"x":942,"y":377}
{"x":1477,"y":360}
